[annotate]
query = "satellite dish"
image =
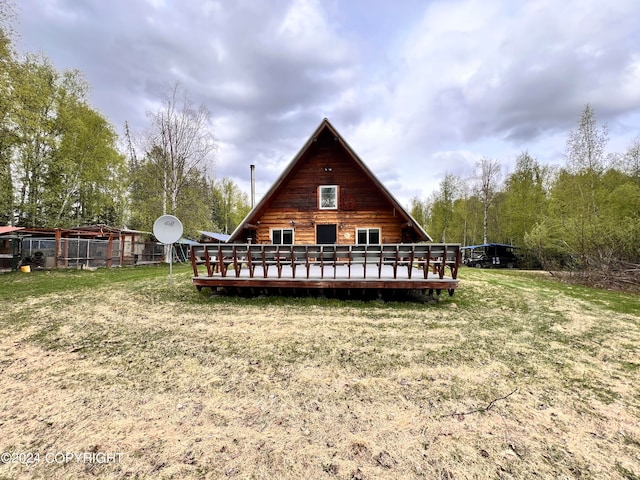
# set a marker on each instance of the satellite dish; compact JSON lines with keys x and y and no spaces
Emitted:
{"x":167,"y":229}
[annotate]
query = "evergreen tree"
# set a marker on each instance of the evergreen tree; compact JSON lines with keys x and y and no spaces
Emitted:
{"x":419,"y":212}
{"x":230,"y":205}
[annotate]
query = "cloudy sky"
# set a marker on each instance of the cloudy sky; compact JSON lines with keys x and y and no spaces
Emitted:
{"x":418,"y":88}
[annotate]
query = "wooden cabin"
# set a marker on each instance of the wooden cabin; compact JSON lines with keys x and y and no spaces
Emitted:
{"x":327,"y":223}
{"x":327,"y":195}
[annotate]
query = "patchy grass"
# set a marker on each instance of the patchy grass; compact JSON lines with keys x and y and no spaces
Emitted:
{"x":517,"y":376}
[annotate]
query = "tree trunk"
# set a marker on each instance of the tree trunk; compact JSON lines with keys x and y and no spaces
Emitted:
{"x":485,"y":223}
{"x":164,"y":192}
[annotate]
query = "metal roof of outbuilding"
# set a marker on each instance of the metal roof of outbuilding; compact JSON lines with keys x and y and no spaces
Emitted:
{"x":8,"y":229}
{"x":221,"y":237}
{"x":490,"y":245}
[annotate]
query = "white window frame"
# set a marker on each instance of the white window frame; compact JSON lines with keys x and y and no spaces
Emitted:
{"x":367,"y":233}
{"x":282,"y":230}
{"x":334,"y":206}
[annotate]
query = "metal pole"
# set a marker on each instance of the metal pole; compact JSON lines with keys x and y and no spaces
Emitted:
{"x":171,"y":265}
{"x":253,"y":186}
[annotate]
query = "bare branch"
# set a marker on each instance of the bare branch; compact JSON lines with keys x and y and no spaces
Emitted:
{"x":480,"y":410}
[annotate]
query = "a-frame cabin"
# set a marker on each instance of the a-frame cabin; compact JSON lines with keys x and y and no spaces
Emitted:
{"x":327,"y":195}
{"x":327,"y":223}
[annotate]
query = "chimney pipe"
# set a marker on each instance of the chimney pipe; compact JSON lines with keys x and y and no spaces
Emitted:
{"x":253,"y":186}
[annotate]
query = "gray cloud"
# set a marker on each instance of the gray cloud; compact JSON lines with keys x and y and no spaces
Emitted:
{"x":432,"y":84}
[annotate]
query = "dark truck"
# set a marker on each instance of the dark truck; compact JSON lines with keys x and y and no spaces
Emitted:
{"x":490,"y":255}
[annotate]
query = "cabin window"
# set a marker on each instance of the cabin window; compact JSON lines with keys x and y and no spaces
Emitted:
{"x":328,"y":197}
{"x":282,"y":236}
{"x":368,"y":235}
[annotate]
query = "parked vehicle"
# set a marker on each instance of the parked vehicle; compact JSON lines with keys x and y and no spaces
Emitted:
{"x":490,"y":255}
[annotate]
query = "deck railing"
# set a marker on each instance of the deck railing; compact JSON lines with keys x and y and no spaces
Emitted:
{"x":230,"y":259}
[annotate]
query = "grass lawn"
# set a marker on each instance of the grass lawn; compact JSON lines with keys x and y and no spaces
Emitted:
{"x":515,"y":377}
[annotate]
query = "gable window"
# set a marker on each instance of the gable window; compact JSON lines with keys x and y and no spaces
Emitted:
{"x":328,"y":196}
{"x":282,"y":236}
{"x":368,"y":235}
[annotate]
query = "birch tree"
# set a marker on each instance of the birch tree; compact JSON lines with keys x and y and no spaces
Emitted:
{"x":586,"y":144}
{"x":525,"y":198}
{"x":442,"y":208}
{"x":7,"y":135}
{"x":85,"y":181}
{"x":35,"y":88}
{"x":180,"y":143}
{"x":488,"y":173}
{"x":577,"y":203}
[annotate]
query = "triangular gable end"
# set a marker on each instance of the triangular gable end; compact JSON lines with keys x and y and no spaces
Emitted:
{"x":357,"y":188}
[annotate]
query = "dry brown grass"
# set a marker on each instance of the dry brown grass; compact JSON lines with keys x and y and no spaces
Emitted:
{"x":187,"y":387}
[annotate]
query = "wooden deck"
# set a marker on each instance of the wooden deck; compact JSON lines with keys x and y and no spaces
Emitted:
{"x":427,"y":267}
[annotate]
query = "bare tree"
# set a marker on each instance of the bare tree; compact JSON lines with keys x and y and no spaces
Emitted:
{"x":179,"y":142}
{"x":585,"y":146}
{"x":488,"y":173}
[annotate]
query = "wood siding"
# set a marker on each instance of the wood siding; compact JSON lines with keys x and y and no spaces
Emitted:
{"x":347,"y":223}
{"x":360,"y":203}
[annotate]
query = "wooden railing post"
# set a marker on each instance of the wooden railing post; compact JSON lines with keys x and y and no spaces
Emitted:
{"x":426,"y":265}
{"x":207,"y":261}
{"x":194,"y":264}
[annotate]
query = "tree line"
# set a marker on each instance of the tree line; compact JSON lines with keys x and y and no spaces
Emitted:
{"x":62,"y":164}
{"x":583,"y":214}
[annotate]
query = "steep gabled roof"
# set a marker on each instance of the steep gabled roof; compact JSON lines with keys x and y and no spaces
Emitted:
{"x":325,"y":124}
